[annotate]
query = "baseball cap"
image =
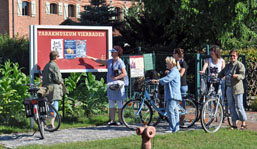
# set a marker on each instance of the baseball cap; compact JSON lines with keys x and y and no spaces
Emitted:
{"x":113,"y":50}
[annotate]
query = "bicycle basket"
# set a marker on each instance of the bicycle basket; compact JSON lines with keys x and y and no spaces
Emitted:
{"x":43,"y":106}
{"x":28,"y":107}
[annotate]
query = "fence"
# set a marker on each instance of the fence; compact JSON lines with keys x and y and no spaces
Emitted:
{"x":195,"y":63}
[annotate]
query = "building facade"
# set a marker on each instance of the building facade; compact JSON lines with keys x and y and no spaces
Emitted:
{"x":17,"y":15}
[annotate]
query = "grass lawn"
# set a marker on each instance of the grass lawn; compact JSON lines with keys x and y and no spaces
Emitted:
{"x":224,"y":138}
{"x":65,"y":123}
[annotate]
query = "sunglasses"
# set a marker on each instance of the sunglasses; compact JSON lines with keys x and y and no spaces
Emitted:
{"x":232,"y":55}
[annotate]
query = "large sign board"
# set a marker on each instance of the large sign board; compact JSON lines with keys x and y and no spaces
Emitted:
{"x":73,"y":43}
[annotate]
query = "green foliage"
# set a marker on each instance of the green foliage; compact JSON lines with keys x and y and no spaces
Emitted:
{"x":250,"y":53}
{"x":84,"y":92}
{"x":99,"y":14}
{"x":16,"y":49}
{"x":254,"y":105}
{"x":93,"y":95}
{"x":191,"y":24}
{"x":12,"y":94}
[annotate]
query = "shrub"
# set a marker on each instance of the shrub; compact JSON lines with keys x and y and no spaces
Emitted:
{"x":16,"y":50}
{"x":85,"y":94}
{"x":12,"y":94}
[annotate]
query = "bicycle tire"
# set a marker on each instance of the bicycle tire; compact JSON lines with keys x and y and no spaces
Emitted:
{"x":129,"y":117}
{"x":229,"y":118}
{"x":209,"y":123}
{"x":191,"y":115}
{"x":41,"y":127}
{"x":157,"y":117}
{"x":57,"y":121}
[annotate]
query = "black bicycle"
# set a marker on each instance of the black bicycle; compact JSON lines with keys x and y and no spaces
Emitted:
{"x":42,"y":111}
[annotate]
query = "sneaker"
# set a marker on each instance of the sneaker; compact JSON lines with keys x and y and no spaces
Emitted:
{"x":168,"y":131}
{"x":111,"y":123}
{"x":119,"y":123}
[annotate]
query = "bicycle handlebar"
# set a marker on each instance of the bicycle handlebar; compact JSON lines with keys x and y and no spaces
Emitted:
{"x":213,"y":78}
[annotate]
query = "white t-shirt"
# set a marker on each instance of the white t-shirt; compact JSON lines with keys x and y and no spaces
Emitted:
{"x":215,"y":68}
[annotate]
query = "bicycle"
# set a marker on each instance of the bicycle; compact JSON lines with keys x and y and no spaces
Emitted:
{"x":139,"y":112}
{"x":212,"y":114}
{"x":38,"y":108}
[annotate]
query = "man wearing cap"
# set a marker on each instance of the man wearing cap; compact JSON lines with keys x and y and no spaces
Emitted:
{"x":52,"y":79}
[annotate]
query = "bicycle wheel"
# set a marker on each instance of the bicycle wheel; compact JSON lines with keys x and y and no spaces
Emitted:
{"x":191,"y":115}
{"x":132,"y":117}
{"x":211,"y":119}
{"x":157,"y":117}
{"x":228,"y":116}
{"x":49,"y":117}
{"x":40,"y":125}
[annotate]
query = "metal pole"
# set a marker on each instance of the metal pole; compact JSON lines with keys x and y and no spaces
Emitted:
{"x":197,"y":92}
{"x":207,"y":50}
{"x":31,"y":62}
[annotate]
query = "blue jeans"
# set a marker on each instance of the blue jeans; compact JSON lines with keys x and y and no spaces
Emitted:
{"x":223,"y":87}
{"x":235,"y":104}
{"x":173,"y":114}
{"x":183,"y":90}
{"x":56,"y":106}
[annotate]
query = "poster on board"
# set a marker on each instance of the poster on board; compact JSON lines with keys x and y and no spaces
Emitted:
{"x":81,"y":48}
{"x":70,"y":49}
{"x":57,"y":45}
{"x":73,"y":44}
{"x":136,"y":66}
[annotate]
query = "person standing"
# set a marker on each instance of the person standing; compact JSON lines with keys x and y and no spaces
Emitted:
{"x":172,"y":93}
{"x":116,"y":74}
{"x":52,"y":79}
{"x":178,"y":54}
{"x":214,"y":64}
{"x":234,"y":73}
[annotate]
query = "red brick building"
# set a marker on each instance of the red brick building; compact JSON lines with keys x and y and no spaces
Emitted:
{"x":17,"y":15}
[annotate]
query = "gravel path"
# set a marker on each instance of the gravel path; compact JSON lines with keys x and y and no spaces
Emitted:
{"x":92,"y":133}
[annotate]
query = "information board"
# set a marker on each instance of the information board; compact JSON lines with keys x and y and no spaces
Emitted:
{"x":73,"y":43}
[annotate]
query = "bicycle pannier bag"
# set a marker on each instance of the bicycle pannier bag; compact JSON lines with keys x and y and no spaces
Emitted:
{"x":43,"y":106}
{"x":28,"y":107}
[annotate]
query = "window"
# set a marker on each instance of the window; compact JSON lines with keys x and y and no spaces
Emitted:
{"x":71,"y":10}
{"x":25,"y":8}
{"x":53,"y":8}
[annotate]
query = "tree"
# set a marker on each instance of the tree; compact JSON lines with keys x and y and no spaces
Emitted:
{"x":191,"y":24}
{"x":100,"y":14}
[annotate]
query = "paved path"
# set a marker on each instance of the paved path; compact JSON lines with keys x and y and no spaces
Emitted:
{"x":92,"y":133}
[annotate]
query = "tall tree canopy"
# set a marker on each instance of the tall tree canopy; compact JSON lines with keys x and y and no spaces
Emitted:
{"x":191,"y":24}
{"x":99,"y":14}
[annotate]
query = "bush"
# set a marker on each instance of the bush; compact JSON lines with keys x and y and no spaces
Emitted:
{"x":12,"y":94}
{"x":85,"y":95}
{"x":16,"y":50}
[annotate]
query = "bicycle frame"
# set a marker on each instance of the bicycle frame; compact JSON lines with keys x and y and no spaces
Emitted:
{"x":160,"y":110}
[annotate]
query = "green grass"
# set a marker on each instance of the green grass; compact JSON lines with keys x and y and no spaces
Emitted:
{"x":224,"y":138}
{"x":66,"y":123}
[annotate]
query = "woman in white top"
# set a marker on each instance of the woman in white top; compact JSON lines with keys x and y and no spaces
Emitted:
{"x":214,"y":64}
